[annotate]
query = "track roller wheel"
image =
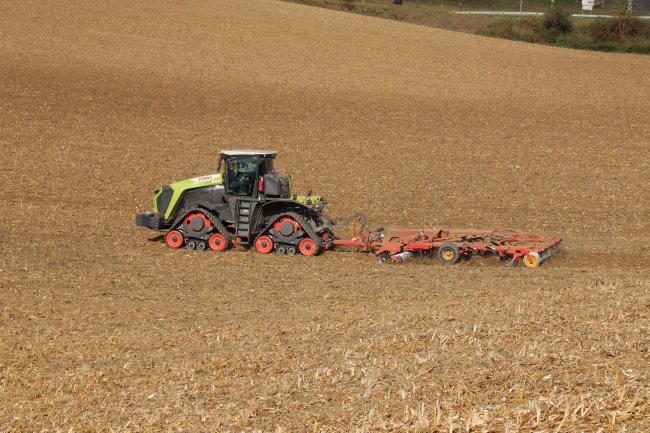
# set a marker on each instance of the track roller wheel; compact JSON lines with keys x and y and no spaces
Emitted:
{"x":217,"y":242}
{"x":281,"y":249}
{"x":264,"y":244}
{"x":191,"y":244}
{"x":291,"y":251}
{"x":448,"y":254}
{"x":200,"y":245}
{"x":531,"y":260}
{"x":307,"y":247}
{"x":174,"y":239}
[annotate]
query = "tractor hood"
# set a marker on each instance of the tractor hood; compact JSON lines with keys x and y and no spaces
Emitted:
{"x":166,"y":197}
{"x":197,"y":182}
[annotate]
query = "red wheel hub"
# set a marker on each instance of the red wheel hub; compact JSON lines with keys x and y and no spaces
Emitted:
{"x":197,"y":221}
{"x":174,"y":239}
{"x":286,"y":226}
{"x":217,"y":242}
{"x":308,"y":247}
{"x":264,"y":244}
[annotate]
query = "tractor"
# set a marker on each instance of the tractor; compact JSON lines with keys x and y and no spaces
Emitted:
{"x":246,"y":203}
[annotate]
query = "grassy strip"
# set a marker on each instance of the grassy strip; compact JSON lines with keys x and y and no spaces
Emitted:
{"x":420,"y":7}
{"x":432,"y":13}
{"x":623,"y":33}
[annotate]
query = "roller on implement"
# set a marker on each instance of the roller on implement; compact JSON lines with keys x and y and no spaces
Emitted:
{"x":248,"y":203}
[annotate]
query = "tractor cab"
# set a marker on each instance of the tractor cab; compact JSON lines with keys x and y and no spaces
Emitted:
{"x":250,"y":181}
{"x":250,"y":174}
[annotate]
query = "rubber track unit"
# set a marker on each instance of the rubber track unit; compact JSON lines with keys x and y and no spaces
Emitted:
{"x":213,"y":219}
{"x":303,"y":224}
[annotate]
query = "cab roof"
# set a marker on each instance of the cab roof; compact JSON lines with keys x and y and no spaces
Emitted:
{"x":244,"y":152}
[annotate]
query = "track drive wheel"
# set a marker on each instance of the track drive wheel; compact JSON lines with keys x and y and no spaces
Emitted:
{"x":174,"y":239}
{"x":287,"y":226}
{"x":196,"y":222}
{"x":448,"y":254}
{"x":531,"y":260}
{"x":307,"y":247}
{"x":218,"y":242}
{"x":264,"y":244}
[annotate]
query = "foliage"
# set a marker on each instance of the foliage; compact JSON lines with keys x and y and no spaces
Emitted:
{"x":526,"y":30}
{"x":556,"y":22}
{"x":623,"y":27}
{"x":623,"y":33}
{"x":348,"y":5}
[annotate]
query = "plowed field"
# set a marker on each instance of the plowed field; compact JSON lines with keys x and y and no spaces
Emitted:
{"x":103,"y":328}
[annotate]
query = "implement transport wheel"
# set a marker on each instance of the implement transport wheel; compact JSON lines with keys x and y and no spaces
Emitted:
{"x":307,"y":247}
{"x":531,"y":260}
{"x":174,"y":239}
{"x":218,"y":242}
{"x":448,"y":254}
{"x":264,"y":245}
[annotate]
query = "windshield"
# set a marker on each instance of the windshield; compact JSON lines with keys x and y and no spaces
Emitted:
{"x":241,"y":175}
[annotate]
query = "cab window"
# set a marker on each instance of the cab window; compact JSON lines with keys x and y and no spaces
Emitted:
{"x":241,"y":175}
{"x":266,"y":166}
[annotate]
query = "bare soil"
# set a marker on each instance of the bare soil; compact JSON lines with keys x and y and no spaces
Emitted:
{"x":103,"y":328}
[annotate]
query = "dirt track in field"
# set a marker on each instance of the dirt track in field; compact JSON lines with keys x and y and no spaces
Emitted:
{"x":102,"y":328}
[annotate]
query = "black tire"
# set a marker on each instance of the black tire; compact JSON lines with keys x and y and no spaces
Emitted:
{"x":448,"y":254}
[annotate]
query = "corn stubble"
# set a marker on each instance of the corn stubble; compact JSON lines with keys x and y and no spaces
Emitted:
{"x":102,"y":328}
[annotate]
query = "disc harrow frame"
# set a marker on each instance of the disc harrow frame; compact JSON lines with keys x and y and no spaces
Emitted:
{"x":450,"y":246}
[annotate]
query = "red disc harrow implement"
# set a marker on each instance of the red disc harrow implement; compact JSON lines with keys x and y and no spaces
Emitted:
{"x":450,"y":246}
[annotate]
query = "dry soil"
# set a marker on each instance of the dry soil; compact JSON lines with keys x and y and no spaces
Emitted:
{"x":103,"y":328}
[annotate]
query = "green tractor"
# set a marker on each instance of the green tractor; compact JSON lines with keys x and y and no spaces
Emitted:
{"x":246,"y":203}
